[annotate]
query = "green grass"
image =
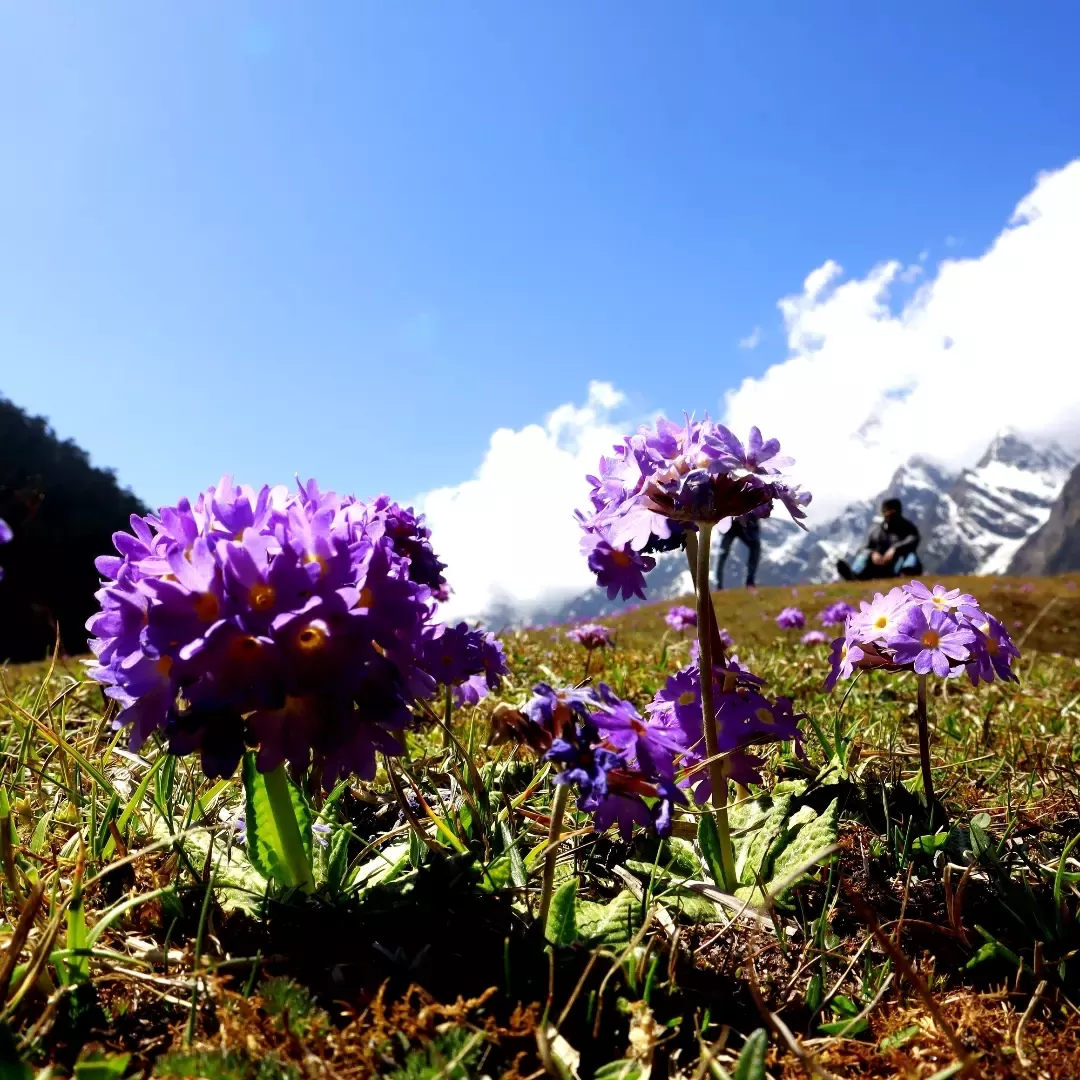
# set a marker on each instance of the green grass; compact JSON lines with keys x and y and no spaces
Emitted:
{"x":137,"y":930}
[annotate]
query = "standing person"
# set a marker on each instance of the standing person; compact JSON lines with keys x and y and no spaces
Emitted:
{"x":748,"y":530}
{"x":890,"y":548}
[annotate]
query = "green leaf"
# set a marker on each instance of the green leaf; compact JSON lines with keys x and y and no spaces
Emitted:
{"x":751,"y":1063}
{"x":265,"y":848}
{"x":709,"y":839}
{"x":561,"y":926}
{"x":98,"y":1066}
{"x":900,"y":1038}
{"x":337,"y":862}
{"x":612,"y":924}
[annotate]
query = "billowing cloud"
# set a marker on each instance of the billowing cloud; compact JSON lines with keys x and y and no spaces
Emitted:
{"x":877,"y":372}
{"x":508,"y":535}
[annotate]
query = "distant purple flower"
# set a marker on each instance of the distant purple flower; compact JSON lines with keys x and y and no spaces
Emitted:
{"x":791,"y":618}
{"x":591,"y":636}
{"x":939,"y":598}
{"x":836,"y":614}
{"x":5,"y":537}
{"x":929,"y":641}
{"x":681,"y":618}
{"x":814,"y":637}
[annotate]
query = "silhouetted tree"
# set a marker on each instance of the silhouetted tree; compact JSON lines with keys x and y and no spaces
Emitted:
{"x":63,"y":512}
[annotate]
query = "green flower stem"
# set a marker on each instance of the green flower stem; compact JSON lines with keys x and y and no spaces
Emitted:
{"x":558,"y":808}
{"x":708,"y":707}
{"x":292,"y":846}
{"x":924,"y":749}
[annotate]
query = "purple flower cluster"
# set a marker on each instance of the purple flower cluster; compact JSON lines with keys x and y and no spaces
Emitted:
{"x":621,"y":766}
{"x":681,"y":618}
{"x":744,"y":718}
{"x":591,"y":636}
{"x":298,"y":623}
{"x":836,"y":614}
{"x":5,"y":537}
{"x":659,"y":483}
{"x":937,"y":630}
{"x":814,"y":637}
{"x":791,"y":618}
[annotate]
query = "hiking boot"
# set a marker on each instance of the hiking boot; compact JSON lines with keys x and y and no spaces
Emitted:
{"x":844,"y":570}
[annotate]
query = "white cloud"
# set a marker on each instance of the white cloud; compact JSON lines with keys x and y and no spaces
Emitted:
{"x":990,"y":341}
{"x":752,"y":340}
{"x":508,"y":535}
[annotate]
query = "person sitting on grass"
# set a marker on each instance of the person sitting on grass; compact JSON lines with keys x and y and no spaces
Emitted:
{"x":747,"y":529}
{"x":890,"y":548}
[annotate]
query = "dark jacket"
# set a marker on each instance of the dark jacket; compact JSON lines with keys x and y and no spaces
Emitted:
{"x":898,"y":534}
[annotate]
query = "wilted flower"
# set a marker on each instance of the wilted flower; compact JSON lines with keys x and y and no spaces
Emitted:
{"x":791,"y":618}
{"x":814,"y":637}
{"x":298,"y":623}
{"x":681,"y":618}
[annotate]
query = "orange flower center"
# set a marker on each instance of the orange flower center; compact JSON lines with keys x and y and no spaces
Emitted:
{"x":312,"y":637}
{"x":207,"y":607}
{"x":261,"y":597}
{"x":931,"y":638}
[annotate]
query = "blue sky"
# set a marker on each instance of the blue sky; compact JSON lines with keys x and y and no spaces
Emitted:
{"x":351,"y":239}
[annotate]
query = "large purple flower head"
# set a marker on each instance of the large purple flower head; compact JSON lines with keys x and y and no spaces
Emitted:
{"x":913,"y":627}
{"x":657,"y":484}
{"x":591,"y":636}
{"x":681,"y":618}
{"x":291,"y":622}
{"x":492,"y":658}
{"x":836,"y":614}
{"x":791,"y":618}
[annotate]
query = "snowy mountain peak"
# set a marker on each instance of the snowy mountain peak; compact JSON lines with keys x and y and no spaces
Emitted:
{"x":1010,"y":448}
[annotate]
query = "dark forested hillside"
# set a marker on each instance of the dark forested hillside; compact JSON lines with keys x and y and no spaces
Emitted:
{"x":63,"y":512}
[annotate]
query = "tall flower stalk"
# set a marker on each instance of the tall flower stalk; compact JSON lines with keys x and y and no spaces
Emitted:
{"x":924,"y":747}
{"x":708,"y":707}
{"x":551,"y":857}
{"x":291,"y":844}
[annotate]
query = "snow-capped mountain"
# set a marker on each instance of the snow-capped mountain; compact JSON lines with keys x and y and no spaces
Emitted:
{"x":971,"y":522}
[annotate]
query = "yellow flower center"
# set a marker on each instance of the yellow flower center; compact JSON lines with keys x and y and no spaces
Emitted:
{"x":312,"y":558}
{"x":366,"y":598}
{"x":312,"y":637}
{"x":620,"y":558}
{"x":207,"y":607}
{"x":931,"y":638}
{"x":244,"y":648}
{"x":261,"y":597}
{"x":881,"y":622}
{"x":687,"y":697}
{"x":765,"y":716}
{"x":164,"y":665}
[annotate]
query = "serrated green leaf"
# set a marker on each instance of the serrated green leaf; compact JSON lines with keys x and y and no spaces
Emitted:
{"x":337,"y":861}
{"x":561,"y":926}
{"x":265,"y":848}
{"x":751,"y":1063}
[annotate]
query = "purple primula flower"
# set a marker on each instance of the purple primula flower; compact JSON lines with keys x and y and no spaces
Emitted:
{"x":657,"y":484}
{"x":993,"y":651}
{"x":844,"y":658}
{"x":836,"y":614}
{"x":880,"y":619}
{"x":929,"y":641}
{"x":681,"y":618}
{"x":298,"y":624}
{"x":791,"y":618}
{"x":479,"y":685}
{"x":619,"y":570}
{"x":591,"y":636}
{"x":814,"y":637}
{"x":649,"y":745}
